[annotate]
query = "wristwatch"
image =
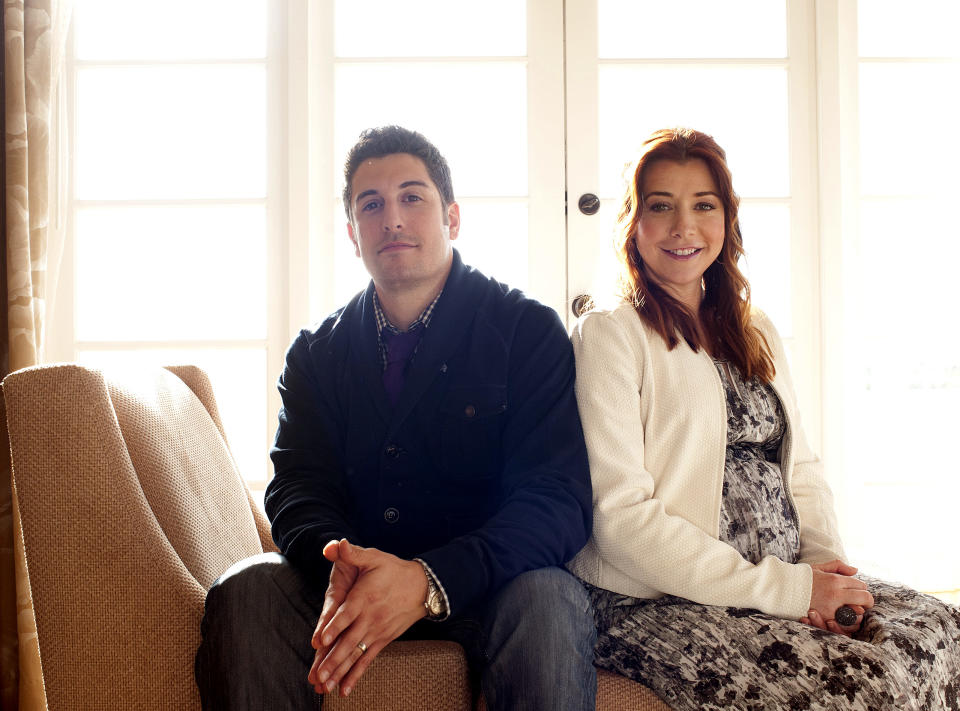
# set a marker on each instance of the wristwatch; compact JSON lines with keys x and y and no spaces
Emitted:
{"x":435,"y":604}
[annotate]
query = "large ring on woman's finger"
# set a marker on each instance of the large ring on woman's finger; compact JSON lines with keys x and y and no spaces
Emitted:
{"x":363,"y":648}
{"x":845,"y":616}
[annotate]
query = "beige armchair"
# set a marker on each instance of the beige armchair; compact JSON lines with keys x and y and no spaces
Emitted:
{"x":131,"y":506}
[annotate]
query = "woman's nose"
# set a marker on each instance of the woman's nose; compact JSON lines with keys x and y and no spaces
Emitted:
{"x":683,"y":224}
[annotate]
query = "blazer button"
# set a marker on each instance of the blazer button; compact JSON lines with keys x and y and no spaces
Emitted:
{"x":392,"y":451}
{"x":469,"y":411}
{"x":391,"y":515}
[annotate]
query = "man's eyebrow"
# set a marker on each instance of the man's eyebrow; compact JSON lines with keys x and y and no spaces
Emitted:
{"x":405,"y":184}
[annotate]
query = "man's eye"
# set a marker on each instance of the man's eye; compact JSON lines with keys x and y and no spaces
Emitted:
{"x":369,"y":206}
{"x":413,"y":198}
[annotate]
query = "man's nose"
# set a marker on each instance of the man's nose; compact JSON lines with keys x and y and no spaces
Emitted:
{"x":392,"y":220}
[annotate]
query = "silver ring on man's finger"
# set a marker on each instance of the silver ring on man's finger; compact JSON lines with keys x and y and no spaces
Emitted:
{"x":362,"y":647}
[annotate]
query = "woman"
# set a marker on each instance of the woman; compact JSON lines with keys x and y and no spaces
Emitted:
{"x":715,"y":568}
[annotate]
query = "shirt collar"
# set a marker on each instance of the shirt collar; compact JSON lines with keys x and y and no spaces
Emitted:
{"x":422,"y":320}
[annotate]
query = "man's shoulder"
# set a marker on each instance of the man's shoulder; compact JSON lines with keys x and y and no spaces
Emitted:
{"x":333,"y":328}
{"x":497,"y":302}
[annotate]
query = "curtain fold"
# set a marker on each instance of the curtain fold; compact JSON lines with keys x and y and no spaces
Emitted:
{"x":34,"y":38}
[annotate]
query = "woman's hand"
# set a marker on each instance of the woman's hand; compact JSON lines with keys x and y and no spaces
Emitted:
{"x":834,"y":586}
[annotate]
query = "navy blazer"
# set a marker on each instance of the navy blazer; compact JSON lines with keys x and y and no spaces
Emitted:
{"x":480,"y":470}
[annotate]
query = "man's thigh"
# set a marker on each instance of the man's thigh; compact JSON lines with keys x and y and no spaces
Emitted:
{"x":531,"y":646}
{"x":539,"y":636}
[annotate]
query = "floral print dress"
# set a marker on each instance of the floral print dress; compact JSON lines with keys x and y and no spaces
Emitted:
{"x":906,"y":655}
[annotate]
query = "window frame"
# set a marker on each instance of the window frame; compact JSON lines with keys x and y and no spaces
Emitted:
{"x":823,"y":78}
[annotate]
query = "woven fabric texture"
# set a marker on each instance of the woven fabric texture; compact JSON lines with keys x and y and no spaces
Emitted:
{"x":175,"y":447}
{"x":122,"y":536}
{"x":198,"y":381}
{"x":426,"y":676}
{"x":616,"y":693}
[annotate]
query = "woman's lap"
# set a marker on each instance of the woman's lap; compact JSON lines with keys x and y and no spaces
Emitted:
{"x":907,"y":655}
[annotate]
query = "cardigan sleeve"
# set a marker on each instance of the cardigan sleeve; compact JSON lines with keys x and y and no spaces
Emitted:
{"x":306,"y":501}
{"x":633,"y":530}
{"x":819,"y":537}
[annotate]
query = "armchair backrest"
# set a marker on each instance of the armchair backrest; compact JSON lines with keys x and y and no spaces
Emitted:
{"x":131,"y":506}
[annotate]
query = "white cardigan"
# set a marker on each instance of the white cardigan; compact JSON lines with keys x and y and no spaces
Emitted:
{"x":655,"y":423}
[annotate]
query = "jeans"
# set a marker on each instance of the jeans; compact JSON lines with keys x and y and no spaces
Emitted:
{"x":531,"y":646}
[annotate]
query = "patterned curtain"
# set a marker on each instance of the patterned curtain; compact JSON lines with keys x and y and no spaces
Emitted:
{"x":34,"y":37}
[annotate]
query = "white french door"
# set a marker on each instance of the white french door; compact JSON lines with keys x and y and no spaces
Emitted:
{"x":743,"y":72}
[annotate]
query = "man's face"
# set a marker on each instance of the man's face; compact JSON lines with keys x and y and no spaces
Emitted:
{"x":400,"y":227}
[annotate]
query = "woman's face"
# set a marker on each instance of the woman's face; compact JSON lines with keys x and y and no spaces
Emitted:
{"x":681,"y":227}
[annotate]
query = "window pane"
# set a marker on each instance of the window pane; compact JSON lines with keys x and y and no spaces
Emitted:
{"x":173,"y":29}
{"x":493,"y":238}
{"x":903,"y":390}
{"x":154,"y":273}
{"x":237,"y":376}
{"x":430,"y":28}
{"x":884,"y":548}
{"x":902,"y":279}
{"x":692,"y":28}
{"x":743,"y":108}
{"x":904,"y":112}
{"x":171,"y":132}
{"x":485,"y":140}
{"x":766,"y":240}
{"x":349,"y":275}
{"x":925,"y":28}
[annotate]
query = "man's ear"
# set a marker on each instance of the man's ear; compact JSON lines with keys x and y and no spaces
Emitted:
{"x":453,"y":220}
{"x":356,"y":245}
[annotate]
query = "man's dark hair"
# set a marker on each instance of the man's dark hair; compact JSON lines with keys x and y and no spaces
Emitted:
{"x":387,"y":140}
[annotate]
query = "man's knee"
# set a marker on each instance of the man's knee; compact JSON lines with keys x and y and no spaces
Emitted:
{"x":540,"y":643}
{"x":547,"y":602}
{"x":246,"y":582}
{"x":260,"y":591}
{"x":547,"y":591}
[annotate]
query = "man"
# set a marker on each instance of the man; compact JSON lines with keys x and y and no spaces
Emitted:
{"x":430,"y":474}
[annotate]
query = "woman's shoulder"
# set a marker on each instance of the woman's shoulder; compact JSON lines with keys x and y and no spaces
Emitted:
{"x":614,"y":317}
{"x":606,"y":334}
{"x":759,"y":319}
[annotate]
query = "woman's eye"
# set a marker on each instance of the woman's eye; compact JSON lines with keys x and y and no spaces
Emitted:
{"x":706,"y":206}
{"x":659,"y":207}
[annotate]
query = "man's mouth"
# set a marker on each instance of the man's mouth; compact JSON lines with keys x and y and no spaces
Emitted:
{"x":395,"y":246}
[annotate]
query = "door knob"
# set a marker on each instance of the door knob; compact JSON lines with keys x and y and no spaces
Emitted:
{"x":580,"y":304}
{"x":589,"y":204}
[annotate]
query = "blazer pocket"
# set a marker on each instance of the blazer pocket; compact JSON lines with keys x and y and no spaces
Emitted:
{"x":471,"y":420}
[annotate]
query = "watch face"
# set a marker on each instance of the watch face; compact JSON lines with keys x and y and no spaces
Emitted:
{"x":434,"y":603}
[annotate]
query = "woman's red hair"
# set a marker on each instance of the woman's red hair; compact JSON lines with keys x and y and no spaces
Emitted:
{"x":725,"y":309}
